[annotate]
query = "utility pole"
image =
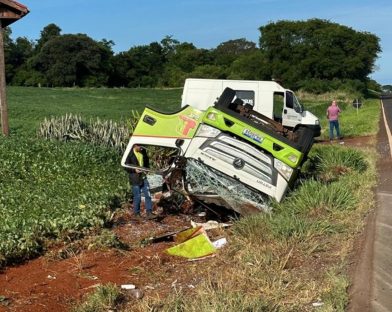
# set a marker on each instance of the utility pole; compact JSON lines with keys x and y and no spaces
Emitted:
{"x":10,"y":12}
{"x":3,"y":98}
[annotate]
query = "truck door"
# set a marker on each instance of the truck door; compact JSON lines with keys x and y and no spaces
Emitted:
{"x":278,"y":106}
{"x":292,"y":111}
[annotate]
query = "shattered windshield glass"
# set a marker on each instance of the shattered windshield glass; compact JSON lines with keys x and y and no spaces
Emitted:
{"x":205,"y":180}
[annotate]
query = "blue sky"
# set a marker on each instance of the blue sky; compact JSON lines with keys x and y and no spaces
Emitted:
{"x":205,"y":23}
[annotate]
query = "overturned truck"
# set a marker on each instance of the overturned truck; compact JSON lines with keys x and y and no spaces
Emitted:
{"x":229,"y":154}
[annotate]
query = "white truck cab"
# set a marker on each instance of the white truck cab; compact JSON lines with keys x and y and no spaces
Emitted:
{"x":266,"y":97}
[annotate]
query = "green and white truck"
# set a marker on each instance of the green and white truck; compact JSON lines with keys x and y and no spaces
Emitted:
{"x":228,"y":138}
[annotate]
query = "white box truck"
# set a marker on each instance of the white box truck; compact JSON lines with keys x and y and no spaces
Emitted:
{"x":268,"y":98}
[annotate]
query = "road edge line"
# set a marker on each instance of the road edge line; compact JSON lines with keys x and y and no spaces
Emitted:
{"x":387,"y":128}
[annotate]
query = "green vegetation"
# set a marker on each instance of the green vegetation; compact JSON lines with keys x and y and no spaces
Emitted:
{"x":297,"y":255}
{"x":54,"y":190}
{"x":73,"y":128}
{"x":284,"y":261}
{"x":323,"y":55}
{"x":29,"y":106}
{"x":315,"y":55}
{"x":104,"y":298}
{"x":353,"y":122}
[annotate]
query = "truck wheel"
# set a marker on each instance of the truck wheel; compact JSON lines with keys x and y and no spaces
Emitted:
{"x":226,"y":98}
{"x":305,"y":139}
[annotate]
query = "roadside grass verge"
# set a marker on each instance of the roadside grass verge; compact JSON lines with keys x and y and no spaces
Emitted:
{"x":353,"y":122}
{"x":295,"y":257}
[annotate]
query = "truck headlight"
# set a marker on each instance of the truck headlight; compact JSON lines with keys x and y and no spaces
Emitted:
{"x":293,"y":158}
{"x":207,"y":131}
{"x":211,"y":116}
{"x":317,"y":122}
{"x":283,"y":169}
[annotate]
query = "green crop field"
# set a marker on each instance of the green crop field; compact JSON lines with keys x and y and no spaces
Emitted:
{"x":55,"y":190}
{"x":29,"y":106}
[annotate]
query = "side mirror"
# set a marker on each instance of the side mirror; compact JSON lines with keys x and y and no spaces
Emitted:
{"x":179,"y":142}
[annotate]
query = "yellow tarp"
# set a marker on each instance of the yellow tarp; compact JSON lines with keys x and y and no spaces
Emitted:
{"x":192,"y":246}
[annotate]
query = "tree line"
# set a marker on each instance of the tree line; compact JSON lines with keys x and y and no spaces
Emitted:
{"x":315,"y":55}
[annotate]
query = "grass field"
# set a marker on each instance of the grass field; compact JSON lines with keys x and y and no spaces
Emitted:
{"x":353,"y":122}
{"x":29,"y":106}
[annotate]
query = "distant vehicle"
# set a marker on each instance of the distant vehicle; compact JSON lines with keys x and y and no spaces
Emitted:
{"x":268,"y":98}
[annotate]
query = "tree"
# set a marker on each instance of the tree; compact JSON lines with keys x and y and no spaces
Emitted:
{"x":317,"y":49}
{"x":228,"y":51}
{"x":250,"y":66}
{"x":140,"y":66}
{"x":386,"y":88}
{"x":183,"y":60}
{"x":74,"y":60}
{"x":49,"y":32}
{"x":20,"y":52}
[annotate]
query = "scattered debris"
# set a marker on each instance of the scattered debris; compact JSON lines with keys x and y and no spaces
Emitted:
{"x":220,"y":243}
{"x":209,"y":225}
{"x":137,"y":293}
{"x":51,"y":277}
{"x":128,"y":286}
{"x":93,"y":286}
{"x":192,"y":243}
{"x":201,"y":258}
{"x":317,"y":304}
{"x":233,"y":194}
{"x":161,"y":238}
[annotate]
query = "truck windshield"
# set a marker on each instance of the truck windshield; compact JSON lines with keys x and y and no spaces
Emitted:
{"x":292,"y":102}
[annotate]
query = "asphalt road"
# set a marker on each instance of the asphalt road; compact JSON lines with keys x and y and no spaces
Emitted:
{"x":381,"y":295}
{"x":372,"y":280}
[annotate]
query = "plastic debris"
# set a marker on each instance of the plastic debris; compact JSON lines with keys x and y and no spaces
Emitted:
{"x":209,"y":225}
{"x":137,"y":293}
{"x":128,"y":286}
{"x":220,"y":243}
{"x":192,"y":243}
{"x":317,"y":304}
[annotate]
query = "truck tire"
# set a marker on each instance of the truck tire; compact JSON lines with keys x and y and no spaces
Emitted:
{"x":305,"y":139}
{"x":226,"y":98}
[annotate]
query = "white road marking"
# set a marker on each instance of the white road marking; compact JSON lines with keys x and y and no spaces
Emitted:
{"x":387,"y":128}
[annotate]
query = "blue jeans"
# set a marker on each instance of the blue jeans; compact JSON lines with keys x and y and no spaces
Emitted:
{"x":137,"y":197}
{"x":334,"y":124}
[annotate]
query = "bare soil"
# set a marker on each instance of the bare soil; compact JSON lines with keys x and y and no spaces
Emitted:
{"x":47,"y":284}
{"x":50,"y":284}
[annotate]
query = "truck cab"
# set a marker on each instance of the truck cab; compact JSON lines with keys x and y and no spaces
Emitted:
{"x":266,"y":97}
